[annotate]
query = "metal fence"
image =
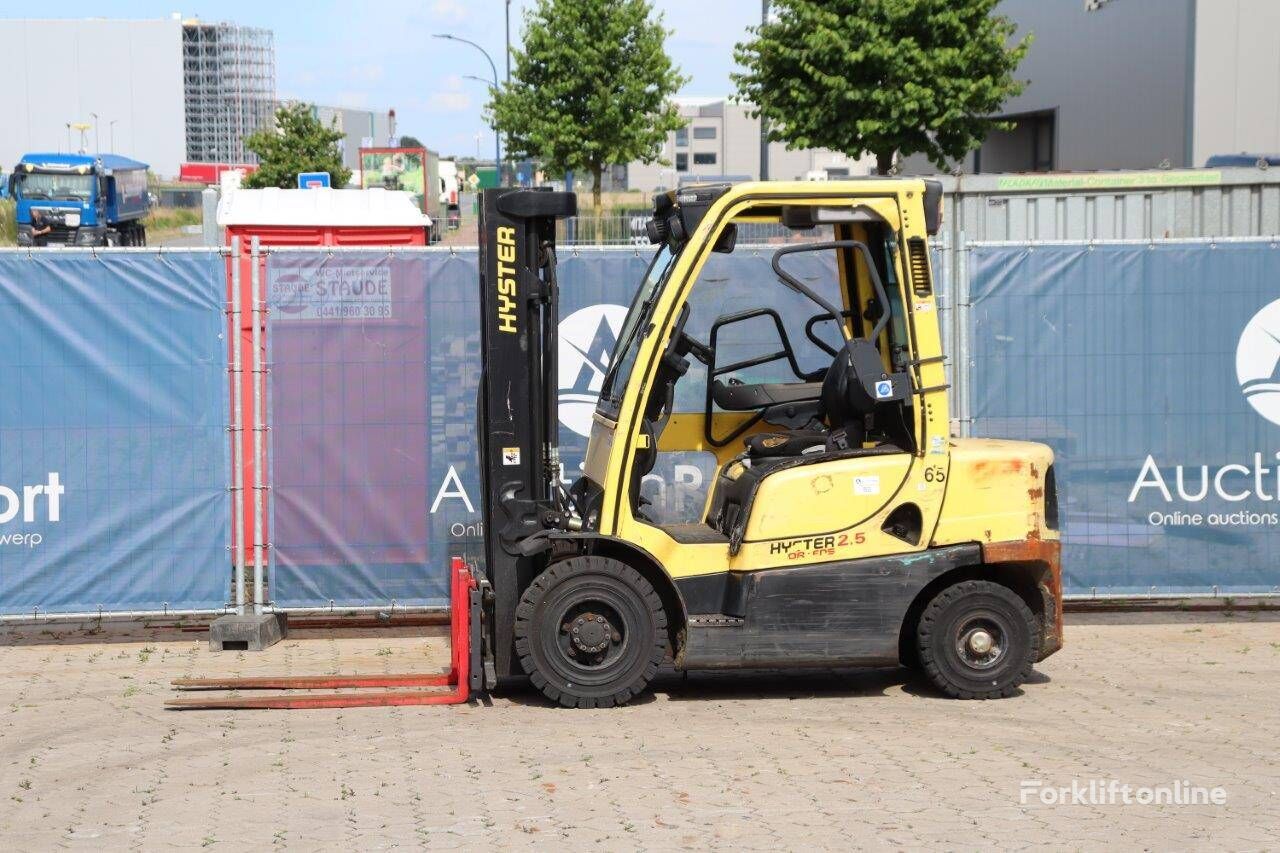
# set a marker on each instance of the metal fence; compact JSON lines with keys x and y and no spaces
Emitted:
{"x":114,"y":477}
{"x":1144,"y":363}
{"x":1148,"y":366}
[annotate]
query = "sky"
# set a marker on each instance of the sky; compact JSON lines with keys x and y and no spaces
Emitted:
{"x":376,"y":55}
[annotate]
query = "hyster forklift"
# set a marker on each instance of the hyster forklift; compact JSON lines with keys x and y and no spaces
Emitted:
{"x":845,"y":526}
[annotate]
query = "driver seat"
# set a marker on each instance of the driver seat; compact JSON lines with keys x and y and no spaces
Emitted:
{"x":767,"y":445}
{"x":844,"y":404}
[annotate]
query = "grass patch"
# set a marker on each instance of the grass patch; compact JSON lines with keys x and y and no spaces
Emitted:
{"x":172,"y":218}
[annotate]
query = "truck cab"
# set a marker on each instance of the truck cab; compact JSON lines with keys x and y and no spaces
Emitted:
{"x":845,"y":525}
{"x":86,"y":200}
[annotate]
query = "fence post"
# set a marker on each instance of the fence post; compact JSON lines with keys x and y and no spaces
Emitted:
{"x":960,"y":334}
{"x":259,"y":373}
{"x":237,"y":423}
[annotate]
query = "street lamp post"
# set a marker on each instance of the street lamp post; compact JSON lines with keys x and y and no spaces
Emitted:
{"x":112,"y":127}
{"x":68,"y":137}
{"x":97,"y":139}
{"x":497,"y":139}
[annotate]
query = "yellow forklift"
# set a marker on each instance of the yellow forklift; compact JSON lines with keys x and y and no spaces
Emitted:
{"x":845,"y":525}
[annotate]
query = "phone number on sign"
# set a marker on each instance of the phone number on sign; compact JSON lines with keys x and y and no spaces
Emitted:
{"x":351,"y":311}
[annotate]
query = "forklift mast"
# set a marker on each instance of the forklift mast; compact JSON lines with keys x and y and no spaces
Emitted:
{"x":517,"y":413}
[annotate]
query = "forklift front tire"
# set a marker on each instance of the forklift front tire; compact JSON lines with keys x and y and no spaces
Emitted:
{"x":591,"y":632}
{"x":977,"y":640}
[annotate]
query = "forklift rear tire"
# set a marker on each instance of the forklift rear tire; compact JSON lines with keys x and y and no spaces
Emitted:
{"x":590,"y":632}
{"x":977,"y":640}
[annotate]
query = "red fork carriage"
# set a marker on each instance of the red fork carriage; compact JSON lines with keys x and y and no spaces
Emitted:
{"x":464,"y":607}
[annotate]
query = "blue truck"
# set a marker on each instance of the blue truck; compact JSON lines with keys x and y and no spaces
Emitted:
{"x":86,"y":199}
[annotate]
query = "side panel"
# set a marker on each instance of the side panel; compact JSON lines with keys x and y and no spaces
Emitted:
{"x":846,"y":613}
{"x":825,"y":497}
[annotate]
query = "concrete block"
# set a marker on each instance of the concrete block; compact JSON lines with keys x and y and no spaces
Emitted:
{"x":248,"y":633}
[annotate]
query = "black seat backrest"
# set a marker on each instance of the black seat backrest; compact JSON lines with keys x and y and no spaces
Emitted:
{"x":846,"y":400}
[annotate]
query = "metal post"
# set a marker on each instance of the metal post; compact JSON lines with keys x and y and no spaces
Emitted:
{"x":960,"y":318}
{"x":764,"y":122}
{"x":259,"y":373}
{"x":209,"y":216}
{"x":237,"y":423}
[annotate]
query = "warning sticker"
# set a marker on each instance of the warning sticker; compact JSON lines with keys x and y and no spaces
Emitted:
{"x":884,"y":389}
{"x":866,"y":485}
{"x":510,"y":456}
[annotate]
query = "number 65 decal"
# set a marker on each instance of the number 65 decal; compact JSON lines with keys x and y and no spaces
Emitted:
{"x":934,"y":474}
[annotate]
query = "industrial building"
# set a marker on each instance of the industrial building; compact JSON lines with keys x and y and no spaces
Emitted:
{"x":721,"y":141}
{"x":1137,"y":84}
{"x":58,"y":74}
{"x":360,"y":129}
{"x":166,"y":92}
{"x":229,"y":87}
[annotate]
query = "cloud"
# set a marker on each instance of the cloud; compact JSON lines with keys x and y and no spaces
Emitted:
{"x":370,"y":73}
{"x":449,"y":10}
{"x":449,"y":102}
{"x":351,"y":100}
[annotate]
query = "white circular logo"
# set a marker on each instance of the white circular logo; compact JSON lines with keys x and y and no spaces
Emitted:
{"x":587,"y":338}
{"x":1257,"y":357}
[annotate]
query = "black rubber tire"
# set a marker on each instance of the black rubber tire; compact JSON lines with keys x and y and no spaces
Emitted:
{"x":587,"y":585}
{"x":992,"y":606}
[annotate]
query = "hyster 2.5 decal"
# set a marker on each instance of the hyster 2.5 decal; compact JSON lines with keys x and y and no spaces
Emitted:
{"x":816,"y":546}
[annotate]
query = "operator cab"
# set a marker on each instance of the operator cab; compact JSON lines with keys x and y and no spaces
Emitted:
{"x":735,"y":380}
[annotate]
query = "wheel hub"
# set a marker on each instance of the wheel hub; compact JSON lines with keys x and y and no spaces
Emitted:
{"x":592,"y":633}
{"x":980,"y":642}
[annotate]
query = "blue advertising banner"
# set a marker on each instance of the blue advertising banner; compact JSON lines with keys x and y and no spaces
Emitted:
{"x":113,"y":432}
{"x":1152,"y":371}
{"x":375,"y":364}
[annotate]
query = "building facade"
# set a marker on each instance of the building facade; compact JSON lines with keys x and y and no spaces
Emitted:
{"x":1137,"y":84}
{"x":360,"y":129}
{"x":161,"y":91}
{"x":59,"y":74}
{"x":721,"y":141}
{"x":229,"y":86}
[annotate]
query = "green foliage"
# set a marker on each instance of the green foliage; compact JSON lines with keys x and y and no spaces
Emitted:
{"x":591,"y":87}
{"x":411,"y":142}
{"x":8,"y":222}
{"x":298,"y":142}
{"x":881,"y":76}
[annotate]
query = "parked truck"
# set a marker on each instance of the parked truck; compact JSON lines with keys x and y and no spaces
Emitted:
{"x":85,"y":199}
{"x":449,"y":189}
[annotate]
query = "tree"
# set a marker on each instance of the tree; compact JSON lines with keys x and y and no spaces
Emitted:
{"x":298,"y":142}
{"x":881,"y":76}
{"x":591,"y":88}
{"x":410,"y":142}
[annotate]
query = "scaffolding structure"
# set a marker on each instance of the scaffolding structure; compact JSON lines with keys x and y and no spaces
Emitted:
{"x":229,"y":83}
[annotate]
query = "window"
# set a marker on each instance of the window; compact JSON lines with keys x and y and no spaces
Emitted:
{"x":59,"y":186}
{"x":704,"y":158}
{"x":704,"y":133}
{"x":682,"y":137}
{"x":682,"y":162}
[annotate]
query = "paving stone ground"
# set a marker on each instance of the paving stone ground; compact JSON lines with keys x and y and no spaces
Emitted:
{"x":90,"y":759}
